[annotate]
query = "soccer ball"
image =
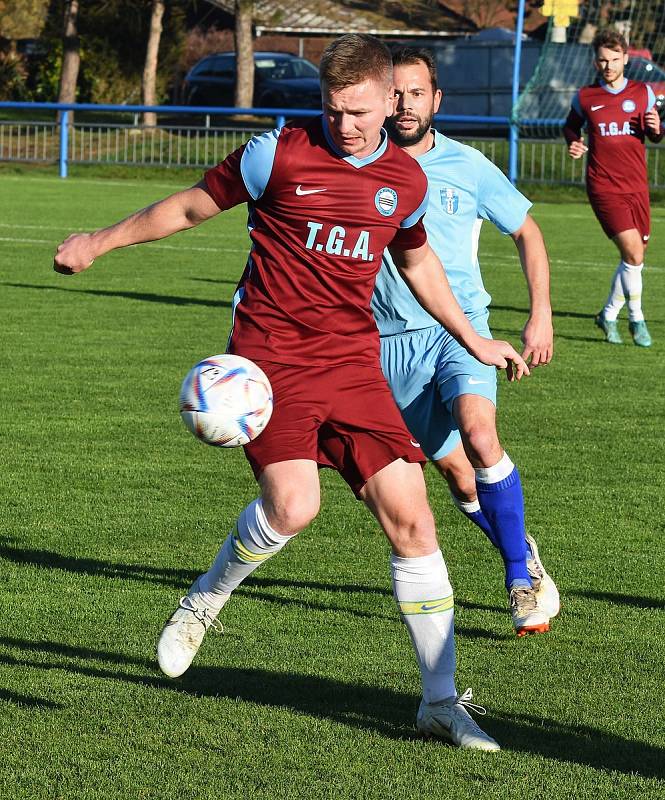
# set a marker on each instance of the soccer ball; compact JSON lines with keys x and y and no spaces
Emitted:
{"x":226,"y":400}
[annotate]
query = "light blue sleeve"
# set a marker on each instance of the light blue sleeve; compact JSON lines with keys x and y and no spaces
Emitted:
{"x":498,"y":200}
{"x":411,"y":220}
{"x":651,"y":98}
{"x":577,"y":106}
{"x":257,"y":160}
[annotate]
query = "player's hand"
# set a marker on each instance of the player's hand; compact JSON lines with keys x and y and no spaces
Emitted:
{"x":74,"y":255}
{"x":577,"y":149}
{"x":538,"y":341}
{"x":652,"y":121}
{"x":496,"y":353}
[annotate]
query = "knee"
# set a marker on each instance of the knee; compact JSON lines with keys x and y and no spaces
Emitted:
{"x":482,"y":445}
{"x":414,"y":535}
{"x":292,"y":510}
{"x":633,"y":253}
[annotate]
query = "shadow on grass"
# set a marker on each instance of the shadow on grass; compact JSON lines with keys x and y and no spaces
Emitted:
{"x":181,"y":579}
{"x":482,"y":633}
{"x":621,"y":599}
{"x":27,"y":700}
{"x":557,"y":335}
{"x":177,"y":578}
{"x":145,"y":297}
{"x":555,"y":312}
{"x":381,"y":710}
{"x":214,"y":280}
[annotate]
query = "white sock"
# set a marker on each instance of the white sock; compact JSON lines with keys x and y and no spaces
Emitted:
{"x":466,"y":506}
{"x":499,"y":472}
{"x":631,"y":281}
{"x":249,"y":544}
{"x":425,"y":599}
{"x":616,"y":300}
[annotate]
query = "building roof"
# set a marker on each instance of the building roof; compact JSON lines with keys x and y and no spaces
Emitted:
{"x":334,"y":17}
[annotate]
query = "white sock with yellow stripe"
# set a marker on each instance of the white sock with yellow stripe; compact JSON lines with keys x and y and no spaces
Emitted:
{"x":249,"y":544}
{"x":616,"y":300}
{"x":425,"y":600}
{"x":631,"y":281}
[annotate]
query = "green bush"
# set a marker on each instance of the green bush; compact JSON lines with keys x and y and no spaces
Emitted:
{"x":13,"y":75}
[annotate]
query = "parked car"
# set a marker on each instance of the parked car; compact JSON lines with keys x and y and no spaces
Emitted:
{"x":643,"y":69}
{"x":281,"y":80}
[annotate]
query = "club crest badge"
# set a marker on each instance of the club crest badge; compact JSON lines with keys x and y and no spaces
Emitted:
{"x":628,"y":106}
{"x":385,"y":201}
{"x":449,"y":200}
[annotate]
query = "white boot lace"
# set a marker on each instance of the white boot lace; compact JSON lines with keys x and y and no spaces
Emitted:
{"x":465,"y":700}
{"x":202,"y":615}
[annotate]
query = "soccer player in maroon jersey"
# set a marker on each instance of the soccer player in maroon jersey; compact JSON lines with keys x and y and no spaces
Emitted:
{"x":618,"y":115}
{"x":324,"y":201}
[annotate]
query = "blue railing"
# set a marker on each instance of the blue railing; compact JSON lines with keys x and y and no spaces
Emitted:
{"x":280,"y":115}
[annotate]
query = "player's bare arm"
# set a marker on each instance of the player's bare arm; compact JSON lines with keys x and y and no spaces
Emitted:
{"x":425,"y":277}
{"x":577,"y":148}
{"x":177,"y":212}
{"x":653,"y":126}
{"x":572,"y":132}
{"x":538,"y":333}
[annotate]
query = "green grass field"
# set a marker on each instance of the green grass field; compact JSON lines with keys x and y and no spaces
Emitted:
{"x":110,"y":508}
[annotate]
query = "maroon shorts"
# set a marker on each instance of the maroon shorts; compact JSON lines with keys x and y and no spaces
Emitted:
{"x":621,"y":212}
{"x":341,"y":417}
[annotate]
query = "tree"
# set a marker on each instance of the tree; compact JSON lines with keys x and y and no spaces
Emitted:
{"x":21,"y":19}
{"x":71,"y":57}
{"x":149,"y":81}
{"x":244,"y":91}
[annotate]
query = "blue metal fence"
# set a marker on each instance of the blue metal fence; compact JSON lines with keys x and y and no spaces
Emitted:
{"x":64,"y":129}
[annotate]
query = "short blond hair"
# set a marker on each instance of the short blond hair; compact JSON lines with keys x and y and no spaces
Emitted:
{"x":355,"y":58}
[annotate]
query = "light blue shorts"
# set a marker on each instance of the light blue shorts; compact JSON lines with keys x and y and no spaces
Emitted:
{"x":427,"y":370}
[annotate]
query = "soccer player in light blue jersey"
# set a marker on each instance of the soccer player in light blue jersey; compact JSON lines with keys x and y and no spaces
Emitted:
{"x":446,"y":396}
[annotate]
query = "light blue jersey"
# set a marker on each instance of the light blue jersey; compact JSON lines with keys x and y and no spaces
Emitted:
{"x":464,"y":189}
{"x":426,"y":368}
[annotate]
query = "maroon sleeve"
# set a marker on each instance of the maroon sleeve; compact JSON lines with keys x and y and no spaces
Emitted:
{"x":225,"y":182}
{"x":410,"y":238}
{"x":572,"y":128}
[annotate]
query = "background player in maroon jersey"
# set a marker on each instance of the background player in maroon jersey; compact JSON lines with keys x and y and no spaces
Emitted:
{"x":618,"y":114}
{"x":324,"y":201}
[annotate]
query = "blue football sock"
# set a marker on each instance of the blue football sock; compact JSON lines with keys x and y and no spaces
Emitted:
{"x":502,"y":503}
{"x":471,"y":510}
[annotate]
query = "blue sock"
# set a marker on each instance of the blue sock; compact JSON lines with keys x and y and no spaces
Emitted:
{"x":502,"y":503}
{"x":471,"y":510}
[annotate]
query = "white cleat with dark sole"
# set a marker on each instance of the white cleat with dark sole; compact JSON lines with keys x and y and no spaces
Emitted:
{"x":450,"y":721}
{"x":547,"y":595}
{"x":183,"y":633}
{"x":527,"y":616}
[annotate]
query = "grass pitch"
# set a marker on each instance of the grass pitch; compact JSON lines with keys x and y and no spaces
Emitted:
{"x":110,"y":508}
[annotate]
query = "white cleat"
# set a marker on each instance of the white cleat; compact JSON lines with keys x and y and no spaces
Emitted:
{"x":183,"y":633}
{"x":547,"y":595}
{"x":449,"y":720}
{"x":527,"y":616}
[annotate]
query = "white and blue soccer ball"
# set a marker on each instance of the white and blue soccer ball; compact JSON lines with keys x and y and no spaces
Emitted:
{"x":226,"y":400}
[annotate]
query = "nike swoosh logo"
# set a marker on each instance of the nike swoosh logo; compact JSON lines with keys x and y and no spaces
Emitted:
{"x":595,"y":108}
{"x":300,"y":191}
{"x":474,"y":382}
{"x":415,"y":444}
{"x":434,"y":607}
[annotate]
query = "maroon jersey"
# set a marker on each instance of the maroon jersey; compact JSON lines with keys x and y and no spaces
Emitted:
{"x":614,"y":119}
{"x":319,"y":221}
